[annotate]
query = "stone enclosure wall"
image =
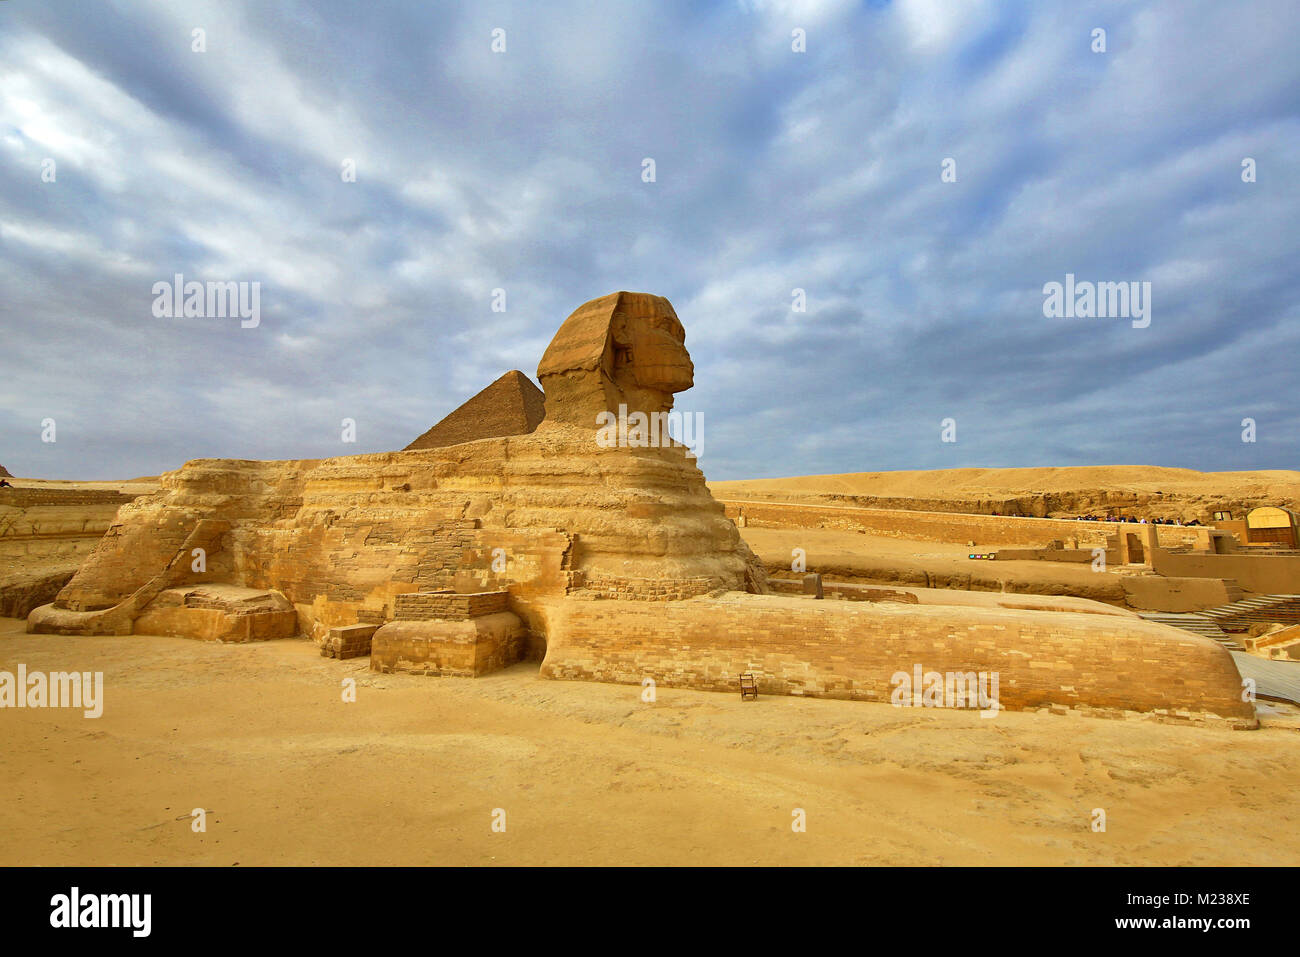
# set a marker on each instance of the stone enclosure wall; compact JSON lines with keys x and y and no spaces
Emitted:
{"x":44,"y":529}
{"x":952,"y":527}
{"x":1262,"y":574}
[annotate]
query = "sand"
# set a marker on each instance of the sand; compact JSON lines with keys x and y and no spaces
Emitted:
{"x":923,"y":484}
{"x":1140,"y":490}
{"x":589,"y":774}
{"x":135,"y":486}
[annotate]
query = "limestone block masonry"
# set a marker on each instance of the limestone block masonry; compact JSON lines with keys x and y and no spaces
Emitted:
{"x":423,"y":605}
{"x":649,"y":589}
{"x":463,"y":648}
{"x":348,"y":641}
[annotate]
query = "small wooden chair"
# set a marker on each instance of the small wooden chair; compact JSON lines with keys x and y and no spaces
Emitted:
{"x":748,"y":686}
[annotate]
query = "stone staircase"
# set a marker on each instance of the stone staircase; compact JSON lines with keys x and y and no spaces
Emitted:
{"x":1236,"y":616}
{"x":1197,"y":624}
{"x":1262,"y":608}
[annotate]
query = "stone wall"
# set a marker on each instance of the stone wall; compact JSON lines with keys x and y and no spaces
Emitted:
{"x":1078,"y":490}
{"x":952,"y":527}
{"x":48,"y":529}
{"x":30,"y":497}
{"x":1076,"y":555}
{"x":1157,"y":593}
{"x":1261,"y":574}
{"x":843,"y":591}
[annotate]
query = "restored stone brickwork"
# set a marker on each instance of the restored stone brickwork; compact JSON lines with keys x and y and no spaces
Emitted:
{"x":422,"y":606}
{"x":649,"y":589}
{"x":849,"y":650}
{"x":348,"y":641}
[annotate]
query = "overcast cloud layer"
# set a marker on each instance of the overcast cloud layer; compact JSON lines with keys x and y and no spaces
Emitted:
{"x":775,"y":170}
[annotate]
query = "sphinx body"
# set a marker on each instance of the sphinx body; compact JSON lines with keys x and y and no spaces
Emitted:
{"x":544,"y":514}
{"x":617,"y":561}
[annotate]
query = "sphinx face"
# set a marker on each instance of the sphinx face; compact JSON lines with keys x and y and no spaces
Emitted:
{"x":625,"y":348}
{"x":651,"y":346}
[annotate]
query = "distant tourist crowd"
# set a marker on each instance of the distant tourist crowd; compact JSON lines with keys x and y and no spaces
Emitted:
{"x":1113,"y":518}
{"x":1136,"y":521}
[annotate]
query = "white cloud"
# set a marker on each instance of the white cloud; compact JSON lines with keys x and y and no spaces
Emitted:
{"x":521,"y":171}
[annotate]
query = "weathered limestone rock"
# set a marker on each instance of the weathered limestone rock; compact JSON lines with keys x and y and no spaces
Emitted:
{"x":338,"y":539}
{"x":219,"y":613}
{"x":625,"y":348}
{"x":45,"y":531}
{"x":114,"y":613}
{"x":20,"y":592}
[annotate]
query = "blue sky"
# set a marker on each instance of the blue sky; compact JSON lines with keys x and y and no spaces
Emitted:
{"x":775,"y":170}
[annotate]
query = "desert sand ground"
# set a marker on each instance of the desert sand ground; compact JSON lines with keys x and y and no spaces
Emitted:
{"x":258,"y":734}
{"x":934,"y":482}
{"x":138,"y":486}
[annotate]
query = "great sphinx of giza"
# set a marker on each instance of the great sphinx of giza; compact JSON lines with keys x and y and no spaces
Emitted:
{"x":613,"y":563}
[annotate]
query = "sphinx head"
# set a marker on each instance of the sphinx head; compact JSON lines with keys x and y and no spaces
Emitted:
{"x":625,"y":348}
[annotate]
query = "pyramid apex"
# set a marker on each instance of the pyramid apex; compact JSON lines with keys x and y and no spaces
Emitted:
{"x":511,"y":405}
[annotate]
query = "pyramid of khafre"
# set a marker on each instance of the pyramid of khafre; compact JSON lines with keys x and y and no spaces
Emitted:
{"x":510,"y":406}
{"x":4,"y":472}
